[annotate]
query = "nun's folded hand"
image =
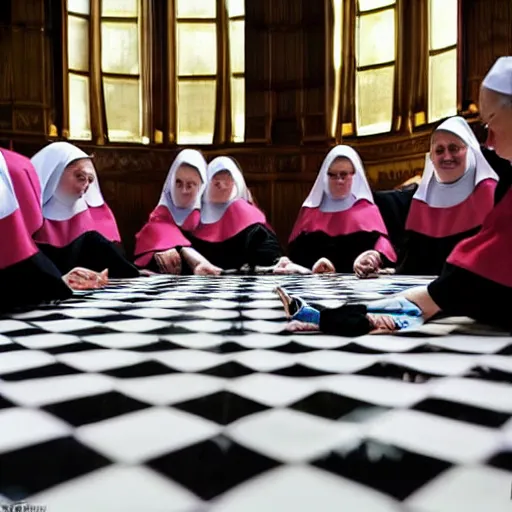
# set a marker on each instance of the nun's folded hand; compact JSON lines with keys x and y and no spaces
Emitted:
{"x":367,"y":263}
{"x":291,"y":268}
{"x":169,"y":262}
{"x":207,"y":269}
{"x":84,"y":279}
{"x":324,"y":266}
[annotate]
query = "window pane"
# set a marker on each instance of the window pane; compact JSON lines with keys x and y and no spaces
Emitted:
{"x":375,"y":40}
{"x":196,"y":112}
{"x":442,"y":101}
{"x":368,"y":5}
{"x":122,"y":102}
{"x":236,"y":8}
{"x":238,"y":108}
{"x":121,"y":8}
{"x":197,"y":49}
{"x":79,"y":6}
{"x":443,"y":23}
{"x":79,"y":112}
{"x":374,"y":100}
{"x":120,"y":48}
{"x":78,"y":43}
{"x":237,"y":46}
{"x":196,"y":8}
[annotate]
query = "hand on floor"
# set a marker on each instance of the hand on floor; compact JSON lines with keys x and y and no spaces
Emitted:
{"x":286,"y":266}
{"x":367,"y":263}
{"x":207,"y":269}
{"x":85,"y":279}
{"x":324,"y":266}
{"x":169,"y":262}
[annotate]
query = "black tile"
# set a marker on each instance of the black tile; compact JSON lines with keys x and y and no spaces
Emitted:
{"x":387,"y":468}
{"x":50,"y":370}
{"x":222,"y":407}
{"x":145,"y":369}
{"x":92,"y":409}
{"x":393,"y":371}
{"x":28,"y":331}
{"x":80,"y":346}
{"x":501,"y":460}
{"x":293,"y":348}
{"x":38,"y":467}
{"x":11,"y":347}
{"x":230,"y":370}
{"x":355,"y":348}
{"x":463,"y":412}
{"x":489,"y":374}
{"x":5,"y":404}
{"x":506,"y":351}
{"x":212,"y":467}
{"x":338,"y":407}
{"x":300,"y":370}
{"x":157,"y":346}
{"x":229,"y":347}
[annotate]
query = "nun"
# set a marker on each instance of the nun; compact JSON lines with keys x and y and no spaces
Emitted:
{"x":455,"y":195}
{"x":162,"y":245}
{"x":232,"y":232}
{"x":339,"y":220}
{"x":28,"y":276}
{"x":79,"y":229}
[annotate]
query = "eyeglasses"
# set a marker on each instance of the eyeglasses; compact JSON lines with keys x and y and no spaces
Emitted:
{"x":453,"y":149}
{"x":340,"y":175}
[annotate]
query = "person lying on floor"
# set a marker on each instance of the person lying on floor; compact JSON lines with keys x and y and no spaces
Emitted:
{"x":476,"y":280}
{"x":28,"y":277}
{"x":163,"y":244}
{"x":79,"y":229}
{"x":232,"y":232}
{"x":338,"y":220}
{"x":454,"y":196}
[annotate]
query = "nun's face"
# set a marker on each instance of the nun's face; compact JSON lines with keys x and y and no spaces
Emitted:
{"x":187,"y":185}
{"x":77,"y":177}
{"x":221,"y":187}
{"x":497,"y":114}
{"x":340,"y":176}
{"x":448,"y":154}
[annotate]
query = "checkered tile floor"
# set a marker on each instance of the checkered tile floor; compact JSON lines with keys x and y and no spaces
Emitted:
{"x":187,"y":395}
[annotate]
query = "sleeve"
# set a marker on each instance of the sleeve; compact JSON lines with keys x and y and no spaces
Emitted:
{"x":347,"y":320}
{"x":459,"y":292}
{"x":31,"y":282}
{"x":306,"y":252}
{"x":262,"y":247}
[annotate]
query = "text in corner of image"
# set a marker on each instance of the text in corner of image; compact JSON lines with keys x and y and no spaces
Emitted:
{"x":21,"y":506}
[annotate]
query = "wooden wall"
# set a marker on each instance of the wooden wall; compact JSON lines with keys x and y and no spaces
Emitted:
{"x":288,"y":93}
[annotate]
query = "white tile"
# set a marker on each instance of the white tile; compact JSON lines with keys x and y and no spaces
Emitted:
{"x":169,"y":389}
{"x":39,"y":392}
{"x":7,"y":326}
{"x":161,"y":304}
{"x":189,"y":360}
{"x":291,"y":436}
{"x":273,"y":303}
{"x":25,"y":427}
{"x":46,"y":340}
{"x":435,"y":436}
{"x":264,"y":326}
{"x":116,"y":488}
{"x":205,"y":325}
{"x":94,"y":304}
{"x":273,"y":390}
{"x":140,"y":436}
{"x":4,"y":340}
{"x":196,"y":340}
{"x":24,"y":360}
{"x":264,"y":360}
{"x":302,"y":489}
{"x":476,"y":344}
{"x":389,"y":343}
{"x":121,"y":340}
{"x":265,"y":314}
{"x":436,"y":364}
{"x":216,"y":314}
{"x":337,"y":362}
{"x":470,"y":488}
{"x":88,"y":312}
{"x":142,"y":325}
{"x":66,"y":325}
{"x":147,"y":312}
{"x":220,"y":304}
{"x":101,"y":359}
{"x":501,"y":363}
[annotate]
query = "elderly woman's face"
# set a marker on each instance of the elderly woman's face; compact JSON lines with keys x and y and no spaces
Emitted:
{"x":498,"y":117}
{"x":77,"y":177}
{"x":221,"y":187}
{"x":186,"y":186}
{"x":340,"y":177}
{"x":448,"y":153}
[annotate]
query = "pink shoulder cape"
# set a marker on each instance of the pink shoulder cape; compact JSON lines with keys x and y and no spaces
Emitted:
{"x":487,"y":254}
{"x":27,"y":189}
{"x":161,"y":233}
{"x":238,"y":216}
{"x":443,"y":222}
{"x":60,"y":233}
{"x":19,"y":245}
{"x":362,"y":216}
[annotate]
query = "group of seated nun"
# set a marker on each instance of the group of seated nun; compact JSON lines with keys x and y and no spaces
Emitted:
{"x":206,"y":222}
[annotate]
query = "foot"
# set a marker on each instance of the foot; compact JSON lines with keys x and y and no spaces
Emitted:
{"x":298,"y":326}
